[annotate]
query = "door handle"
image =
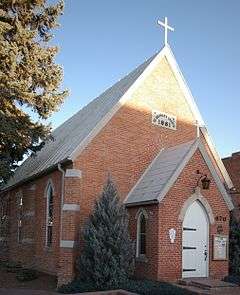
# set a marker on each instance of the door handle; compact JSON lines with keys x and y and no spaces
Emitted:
{"x":205,"y":254}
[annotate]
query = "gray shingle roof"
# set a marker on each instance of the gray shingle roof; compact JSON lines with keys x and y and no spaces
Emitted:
{"x":72,"y":132}
{"x":158,"y":174}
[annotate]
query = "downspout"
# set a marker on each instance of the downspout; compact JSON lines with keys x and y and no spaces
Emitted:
{"x":62,"y":200}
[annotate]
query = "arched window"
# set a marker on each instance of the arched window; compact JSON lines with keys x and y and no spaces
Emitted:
{"x":141,"y":235}
{"x":19,"y":217}
{"x":49,"y":216}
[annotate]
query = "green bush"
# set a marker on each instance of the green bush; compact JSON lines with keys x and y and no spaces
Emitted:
{"x":77,"y":286}
{"x":26,"y":275}
{"x":12,"y":266}
{"x":142,"y":287}
{"x":234,"y":279}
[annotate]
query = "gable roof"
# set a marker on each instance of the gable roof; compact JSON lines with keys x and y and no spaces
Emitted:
{"x":165,"y":169}
{"x":72,"y":132}
{"x":74,"y":135}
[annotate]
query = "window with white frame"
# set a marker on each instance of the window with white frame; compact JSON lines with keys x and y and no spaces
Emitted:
{"x":141,"y":235}
{"x":20,"y":217}
{"x":49,"y":216}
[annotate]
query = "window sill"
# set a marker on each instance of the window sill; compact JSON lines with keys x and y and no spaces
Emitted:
{"x":142,"y":259}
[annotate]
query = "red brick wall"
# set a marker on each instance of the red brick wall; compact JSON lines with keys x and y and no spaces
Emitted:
{"x":164,"y":258}
{"x":34,"y":227}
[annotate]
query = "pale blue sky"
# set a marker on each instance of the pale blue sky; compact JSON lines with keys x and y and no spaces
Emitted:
{"x":101,"y":41}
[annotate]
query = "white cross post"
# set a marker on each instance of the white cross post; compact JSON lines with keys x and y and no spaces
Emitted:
{"x":166,"y":28}
{"x":198,"y":128}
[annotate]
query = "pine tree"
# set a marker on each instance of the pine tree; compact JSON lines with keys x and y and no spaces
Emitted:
{"x":29,"y":78}
{"x":107,"y":257}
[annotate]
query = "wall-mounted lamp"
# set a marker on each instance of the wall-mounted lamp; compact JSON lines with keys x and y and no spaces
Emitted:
{"x":204,"y":180}
{"x":233,"y":191}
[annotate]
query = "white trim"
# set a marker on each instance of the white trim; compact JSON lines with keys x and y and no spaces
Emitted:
{"x":141,"y":212}
{"x":211,"y":167}
{"x":27,"y":241}
{"x":49,"y":183}
{"x":183,"y":85}
{"x":197,"y":196}
{"x":216,"y":177}
{"x":141,"y":177}
{"x":67,"y":244}
{"x":73,"y":173}
{"x":71,"y":207}
{"x":219,"y":161}
{"x":189,"y":97}
{"x":178,"y":171}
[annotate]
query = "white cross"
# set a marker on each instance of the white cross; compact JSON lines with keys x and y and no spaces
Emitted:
{"x":166,"y":28}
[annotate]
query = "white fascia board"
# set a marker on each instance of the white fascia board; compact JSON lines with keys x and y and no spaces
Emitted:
{"x":142,"y":176}
{"x":118,"y":105}
{"x":67,"y":244}
{"x":71,"y":207}
{"x":217,"y":157}
{"x":183,"y":85}
{"x":178,"y":171}
{"x":207,"y":159}
{"x":220,"y":185}
{"x":188,"y":95}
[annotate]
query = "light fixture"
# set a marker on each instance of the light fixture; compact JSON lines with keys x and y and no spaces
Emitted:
{"x":204,"y":180}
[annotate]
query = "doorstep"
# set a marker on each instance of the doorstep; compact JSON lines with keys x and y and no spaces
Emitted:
{"x":206,"y":283}
{"x":206,"y":286}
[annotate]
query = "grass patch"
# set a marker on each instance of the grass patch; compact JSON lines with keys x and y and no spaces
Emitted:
{"x":142,"y":287}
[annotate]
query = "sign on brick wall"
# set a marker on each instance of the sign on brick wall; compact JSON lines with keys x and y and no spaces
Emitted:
{"x":164,"y":120}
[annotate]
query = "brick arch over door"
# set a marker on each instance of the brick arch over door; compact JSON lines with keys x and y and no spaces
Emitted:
{"x":197,"y":196}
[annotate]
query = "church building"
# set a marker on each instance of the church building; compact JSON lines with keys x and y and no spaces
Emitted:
{"x":147,"y":132}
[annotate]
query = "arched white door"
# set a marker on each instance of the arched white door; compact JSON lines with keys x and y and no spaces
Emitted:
{"x":195,"y":242}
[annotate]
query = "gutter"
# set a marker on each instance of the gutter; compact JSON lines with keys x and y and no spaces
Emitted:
{"x":141,"y":203}
{"x":62,"y":199}
{"x":6,"y":188}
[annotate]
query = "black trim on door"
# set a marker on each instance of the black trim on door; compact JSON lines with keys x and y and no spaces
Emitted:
{"x":189,"y":228}
{"x":189,"y":248}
